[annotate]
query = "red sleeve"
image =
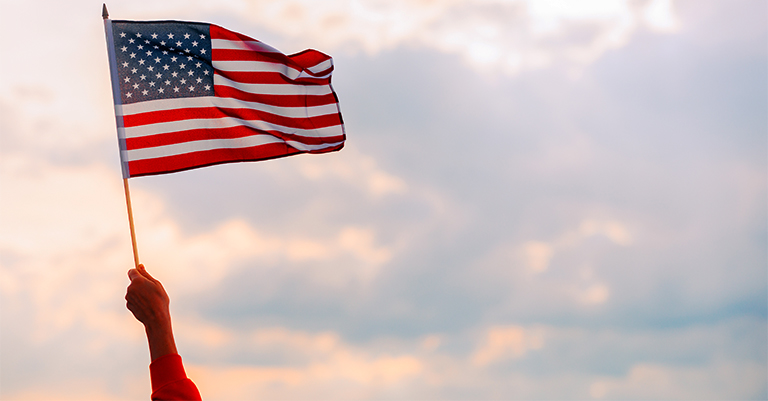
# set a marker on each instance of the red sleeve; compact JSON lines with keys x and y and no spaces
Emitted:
{"x":169,"y":381}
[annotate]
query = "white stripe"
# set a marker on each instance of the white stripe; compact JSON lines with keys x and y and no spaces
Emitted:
{"x":242,"y":45}
{"x":306,"y":148}
{"x":197,"y":146}
{"x":273,"y":89}
{"x":322,"y":66}
{"x":263,"y":66}
{"x":226,"y":122}
{"x":211,"y":144}
{"x":224,"y":102}
{"x":255,"y":66}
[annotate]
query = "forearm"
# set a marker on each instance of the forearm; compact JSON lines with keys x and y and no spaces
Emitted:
{"x":160,"y":339}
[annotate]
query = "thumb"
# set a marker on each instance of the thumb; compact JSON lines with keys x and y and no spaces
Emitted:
{"x":133,"y":274}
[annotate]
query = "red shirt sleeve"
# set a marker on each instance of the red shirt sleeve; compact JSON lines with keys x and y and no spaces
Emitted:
{"x":169,"y":381}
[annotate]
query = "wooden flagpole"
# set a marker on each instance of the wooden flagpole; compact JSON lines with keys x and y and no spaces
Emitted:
{"x":118,"y":117}
{"x":130,"y":223}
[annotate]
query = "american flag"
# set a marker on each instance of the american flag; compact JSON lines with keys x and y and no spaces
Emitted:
{"x":191,"y":94}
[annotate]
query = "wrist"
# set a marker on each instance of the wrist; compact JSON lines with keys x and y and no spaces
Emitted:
{"x":160,"y":339}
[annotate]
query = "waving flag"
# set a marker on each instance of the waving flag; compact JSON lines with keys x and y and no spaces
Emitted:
{"x":192,"y":94}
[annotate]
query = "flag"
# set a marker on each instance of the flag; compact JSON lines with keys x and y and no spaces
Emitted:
{"x":191,"y":94}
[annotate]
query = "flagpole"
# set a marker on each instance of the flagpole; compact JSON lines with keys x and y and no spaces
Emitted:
{"x":120,"y":127}
{"x":130,"y":223}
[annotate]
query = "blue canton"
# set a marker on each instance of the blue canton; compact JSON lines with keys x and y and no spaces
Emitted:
{"x":162,"y":60}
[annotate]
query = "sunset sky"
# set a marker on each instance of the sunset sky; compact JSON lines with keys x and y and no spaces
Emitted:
{"x":543,"y":199}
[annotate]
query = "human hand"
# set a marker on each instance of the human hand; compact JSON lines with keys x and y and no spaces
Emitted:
{"x":146,"y":299}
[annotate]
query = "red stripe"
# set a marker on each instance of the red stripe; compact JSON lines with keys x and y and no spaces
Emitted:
{"x":161,"y":116}
{"x":239,"y":131}
{"x":277,"y":100}
{"x":207,"y":158}
{"x":218,"y":32}
{"x":216,"y":156}
{"x":309,"y":58}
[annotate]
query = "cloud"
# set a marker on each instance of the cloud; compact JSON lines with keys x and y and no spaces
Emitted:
{"x":507,"y":342}
{"x":717,"y":380}
{"x":509,"y":36}
{"x":478,"y":238}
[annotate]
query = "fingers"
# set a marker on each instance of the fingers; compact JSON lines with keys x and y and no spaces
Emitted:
{"x":146,"y":274}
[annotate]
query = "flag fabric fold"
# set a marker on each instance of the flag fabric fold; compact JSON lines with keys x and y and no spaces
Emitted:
{"x":191,"y":94}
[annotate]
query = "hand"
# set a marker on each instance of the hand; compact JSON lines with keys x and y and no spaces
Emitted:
{"x":147,"y":300}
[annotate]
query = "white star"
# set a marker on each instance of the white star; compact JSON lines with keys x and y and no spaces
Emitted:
{"x":162,"y":43}
{"x":122,"y":34}
{"x":183,"y":81}
{"x":124,"y":48}
{"x":194,"y":44}
{"x":138,"y":35}
{"x":149,"y":53}
{"x":154,"y":36}
{"x":129,"y":94}
{"x":202,"y":36}
{"x":165,"y":67}
{"x":150,"y":68}
{"x":155,"y":47}
{"x":161,"y":90}
{"x":186,"y":50}
{"x":143,"y":77}
{"x":182,"y":65}
{"x":152,"y":84}
{"x":198,"y":65}
{"x":191,"y":88}
{"x":189,"y":58}
{"x":135,"y":86}
{"x":202,"y":51}
{"x":159,"y":75}
{"x":167,"y":82}
{"x":125,"y":64}
{"x":133,"y":70}
{"x":207,"y":87}
{"x":165,"y":52}
{"x":130,"y":41}
{"x":205,"y":72}
{"x":174,"y":74}
{"x":178,"y":44}
{"x":191,"y":73}
{"x":170,"y":36}
{"x":186,"y":36}
{"x":141,"y":62}
{"x":146,"y":41}
{"x":133,"y":55}
{"x":173,"y":59}
{"x":127,"y":79}
{"x":157,"y":59}
{"x":199,"y":80}
{"x":145,"y":92}
{"x":175,"y":89}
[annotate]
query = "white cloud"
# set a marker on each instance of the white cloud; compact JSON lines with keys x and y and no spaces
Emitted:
{"x":719,"y":380}
{"x":510,"y":36}
{"x":510,"y":342}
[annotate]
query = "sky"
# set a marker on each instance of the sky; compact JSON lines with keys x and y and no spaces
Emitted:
{"x":537,"y":200}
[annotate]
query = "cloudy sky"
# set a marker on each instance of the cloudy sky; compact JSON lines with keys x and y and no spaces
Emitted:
{"x":537,"y":199}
